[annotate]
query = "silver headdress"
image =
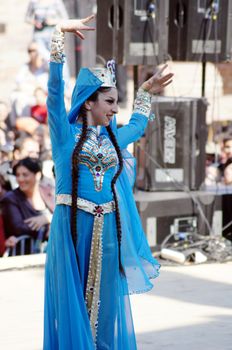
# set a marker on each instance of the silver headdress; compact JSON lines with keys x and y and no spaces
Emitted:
{"x":106,"y":75}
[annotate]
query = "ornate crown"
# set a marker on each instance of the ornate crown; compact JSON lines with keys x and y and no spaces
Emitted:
{"x":106,"y":75}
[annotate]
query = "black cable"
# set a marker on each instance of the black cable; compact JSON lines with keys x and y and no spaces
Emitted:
{"x":146,"y":30}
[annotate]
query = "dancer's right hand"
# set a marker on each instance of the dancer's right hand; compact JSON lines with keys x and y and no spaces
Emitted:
{"x":76,"y":26}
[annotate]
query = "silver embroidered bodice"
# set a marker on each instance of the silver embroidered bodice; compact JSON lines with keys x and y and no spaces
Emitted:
{"x":98,"y":154}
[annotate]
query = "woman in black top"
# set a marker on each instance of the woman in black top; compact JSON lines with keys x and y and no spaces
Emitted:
{"x":25,"y":211}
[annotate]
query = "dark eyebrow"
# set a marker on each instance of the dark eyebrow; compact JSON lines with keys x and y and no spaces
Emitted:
{"x":111,"y":99}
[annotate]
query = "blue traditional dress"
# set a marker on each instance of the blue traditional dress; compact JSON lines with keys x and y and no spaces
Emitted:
{"x":88,"y":308}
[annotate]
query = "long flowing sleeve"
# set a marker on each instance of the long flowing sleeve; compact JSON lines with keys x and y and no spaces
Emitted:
{"x":57,"y":117}
{"x":140,"y":266}
{"x":138,"y":121}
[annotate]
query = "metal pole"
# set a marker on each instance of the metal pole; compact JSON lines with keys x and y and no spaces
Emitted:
{"x":136,"y":79}
{"x":203,"y":75}
{"x":115,"y":30}
{"x":203,"y":61}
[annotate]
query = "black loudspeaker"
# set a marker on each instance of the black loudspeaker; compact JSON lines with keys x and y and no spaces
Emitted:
{"x":200,"y":30}
{"x":171,"y":154}
{"x":164,"y":213}
{"x":133,"y":32}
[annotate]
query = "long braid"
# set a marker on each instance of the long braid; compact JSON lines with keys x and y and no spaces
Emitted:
{"x":75,"y":167}
{"x":75,"y":176}
{"x":118,"y":220}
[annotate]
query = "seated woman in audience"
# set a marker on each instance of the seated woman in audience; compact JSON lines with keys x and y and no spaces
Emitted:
{"x":4,"y":188}
{"x":27,"y":210}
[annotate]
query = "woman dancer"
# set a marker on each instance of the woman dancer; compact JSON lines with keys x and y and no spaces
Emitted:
{"x":97,"y":252}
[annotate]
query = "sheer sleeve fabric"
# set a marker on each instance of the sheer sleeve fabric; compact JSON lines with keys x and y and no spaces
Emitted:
{"x":133,"y":131}
{"x":138,"y":122}
{"x":57,"y":117}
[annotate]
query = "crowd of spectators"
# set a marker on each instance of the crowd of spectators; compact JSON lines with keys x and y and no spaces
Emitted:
{"x":26,"y":167}
{"x":219,"y":166}
{"x":218,"y":179}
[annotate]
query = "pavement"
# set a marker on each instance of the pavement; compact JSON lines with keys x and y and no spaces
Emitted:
{"x":189,"y":308}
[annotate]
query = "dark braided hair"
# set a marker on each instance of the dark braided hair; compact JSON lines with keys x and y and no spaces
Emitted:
{"x":75,"y":174}
{"x":118,"y":220}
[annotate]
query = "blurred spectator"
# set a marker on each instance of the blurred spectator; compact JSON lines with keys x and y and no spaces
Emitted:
{"x":44,"y":15}
{"x":26,"y":124}
{"x":36,"y":148}
{"x":212,"y":151}
{"x":39,"y":109}
{"x":227,"y":199}
{"x":212,"y":175}
{"x":6,"y":135}
{"x":25,"y":209}
{"x":25,"y":147}
{"x":4,"y":188}
{"x":227,"y":148}
{"x":228,"y":172}
{"x":32,"y":74}
{"x":41,"y":135}
{"x":3,"y":126}
{"x":226,"y":153}
{"x":6,"y":154}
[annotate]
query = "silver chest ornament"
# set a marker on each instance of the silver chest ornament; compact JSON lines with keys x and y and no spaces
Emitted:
{"x":98,"y":154}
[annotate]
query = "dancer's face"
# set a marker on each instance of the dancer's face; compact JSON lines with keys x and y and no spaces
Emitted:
{"x":102,"y":111}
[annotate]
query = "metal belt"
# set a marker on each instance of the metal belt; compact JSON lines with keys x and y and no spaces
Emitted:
{"x":92,"y":294}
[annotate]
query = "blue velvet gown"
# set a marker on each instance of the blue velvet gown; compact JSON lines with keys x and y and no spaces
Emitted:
{"x":66,"y":320}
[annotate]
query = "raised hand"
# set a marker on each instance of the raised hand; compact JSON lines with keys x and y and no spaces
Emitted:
{"x":157,"y":82}
{"x":75,"y":26}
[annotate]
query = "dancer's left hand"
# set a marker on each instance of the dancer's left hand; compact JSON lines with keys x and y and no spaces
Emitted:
{"x":157,"y":82}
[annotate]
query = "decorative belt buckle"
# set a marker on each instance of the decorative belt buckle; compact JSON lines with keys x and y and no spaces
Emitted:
{"x":98,"y":211}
